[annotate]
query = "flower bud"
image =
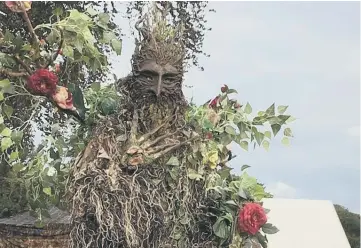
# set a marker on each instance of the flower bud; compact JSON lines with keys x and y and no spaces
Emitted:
{"x":224,"y":88}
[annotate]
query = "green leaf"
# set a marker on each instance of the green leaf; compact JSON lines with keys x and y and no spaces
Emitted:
{"x":230,"y":91}
{"x":1,"y":120}
{"x":1,"y":96}
{"x":14,"y":155}
{"x":244,"y":145}
{"x":281,"y":109}
{"x":271,"y":110}
{"x":261,"y":239}
{"x":117,"y":46}
{"x":39,"y":224}
{"x":173,"y":161}
{"x":17,"y":167}
{"x":283,"y":119}
{"x":58,"y":11}
{"x":6,"y":132}
{"x":230,"y":130}
{"x":78,"y":98}
{"x":6,"y":143}
{"x":26,"y":47}
{"x":68,"y":51}
{"x":291,"y":119}
{"x":245,"y":166}
{"x":51,"y":172}
{"x":91,"y":11}
{"x":258,"y":135}
{"x":47,"y":191}
{"x":108,"y":37}
{"x":265,"y":145}
{"x":95,"y":86}
{"x":248,"y":108}
{"x":194,"y":175}
{"x":104,"y":18}
{"x":288,"y":132}
{"x":268,"y":228}
{"x":268,"y":134}
{"x":17,"y":136}
{"x":4,"y":83}
{"x":285,"y":141}
{"x":220,"y":228}
{"x":275,"y":129}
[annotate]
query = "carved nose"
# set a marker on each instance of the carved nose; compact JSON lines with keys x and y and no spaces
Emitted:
{"x":159,"y":86}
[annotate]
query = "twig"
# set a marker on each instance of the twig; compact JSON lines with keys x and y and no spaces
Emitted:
{"x":28,"y":23}
{"x":17,"y":58}
{"x":12,"y":73}
{"x":53,"y":58}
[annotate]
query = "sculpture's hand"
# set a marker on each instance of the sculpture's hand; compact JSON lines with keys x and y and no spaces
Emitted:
{"x":144,"y":150}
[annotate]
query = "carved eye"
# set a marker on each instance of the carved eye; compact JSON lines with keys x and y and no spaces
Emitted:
{"x":148,"y":75}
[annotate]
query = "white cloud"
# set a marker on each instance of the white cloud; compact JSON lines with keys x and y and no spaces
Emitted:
{"x":282,"y":190}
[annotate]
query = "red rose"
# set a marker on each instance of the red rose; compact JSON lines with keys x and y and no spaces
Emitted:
{"x":63,"y":98}
{"x":224,"y":88}
{"x":214,"y":102}
{"x":251,"y":218}
{"x":42,"y":82}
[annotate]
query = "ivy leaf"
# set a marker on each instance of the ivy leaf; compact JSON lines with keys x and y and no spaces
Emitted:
{"x":173,"y":161}
{"x":275,"y":129}
{"x":266,"y":145}
{"x":281,"y":109}
{"x":285,"y":141}
{"x":268,"y":228}
{"x":194,"y":175}
{"x":47,"y":191}
{"x":230,"y":130}
{"x":91,"y":11}
{"x":4,"y":83}
{"x":6,"y":143}
{"x":220,"y":228}
{"x":14,"y":155}
{"x":244,"y":145}
{"x":271,"y":110}
{"x":245,"y":166}
{"x":230,"y":91}
{"x":17,"y":136}
{"x":288,"y":132}
{"x":8,"y":110}
{"x":68,"y":51}
{"x":51,"y":172}
{"x":6,"y":132}
{"x":248,"y":108}
{"x":268,"y":134}
{"x":258,"y":135}
{"x":104,"y":18}
{"x":95,"y":86}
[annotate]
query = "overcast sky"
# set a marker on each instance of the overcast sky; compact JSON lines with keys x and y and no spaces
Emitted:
{"x":302,"y":54}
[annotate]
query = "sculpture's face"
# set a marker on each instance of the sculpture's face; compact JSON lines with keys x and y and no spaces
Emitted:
{"x":159,"y":79}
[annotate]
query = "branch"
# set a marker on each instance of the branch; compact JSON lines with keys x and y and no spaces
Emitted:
{"x":12,"y":73}
{"x":27,"y":68}
{"x":28,"y":23}
{"x":59,"y":49}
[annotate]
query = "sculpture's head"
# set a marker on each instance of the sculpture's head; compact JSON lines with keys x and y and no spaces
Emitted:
{"x":158,"y":61}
